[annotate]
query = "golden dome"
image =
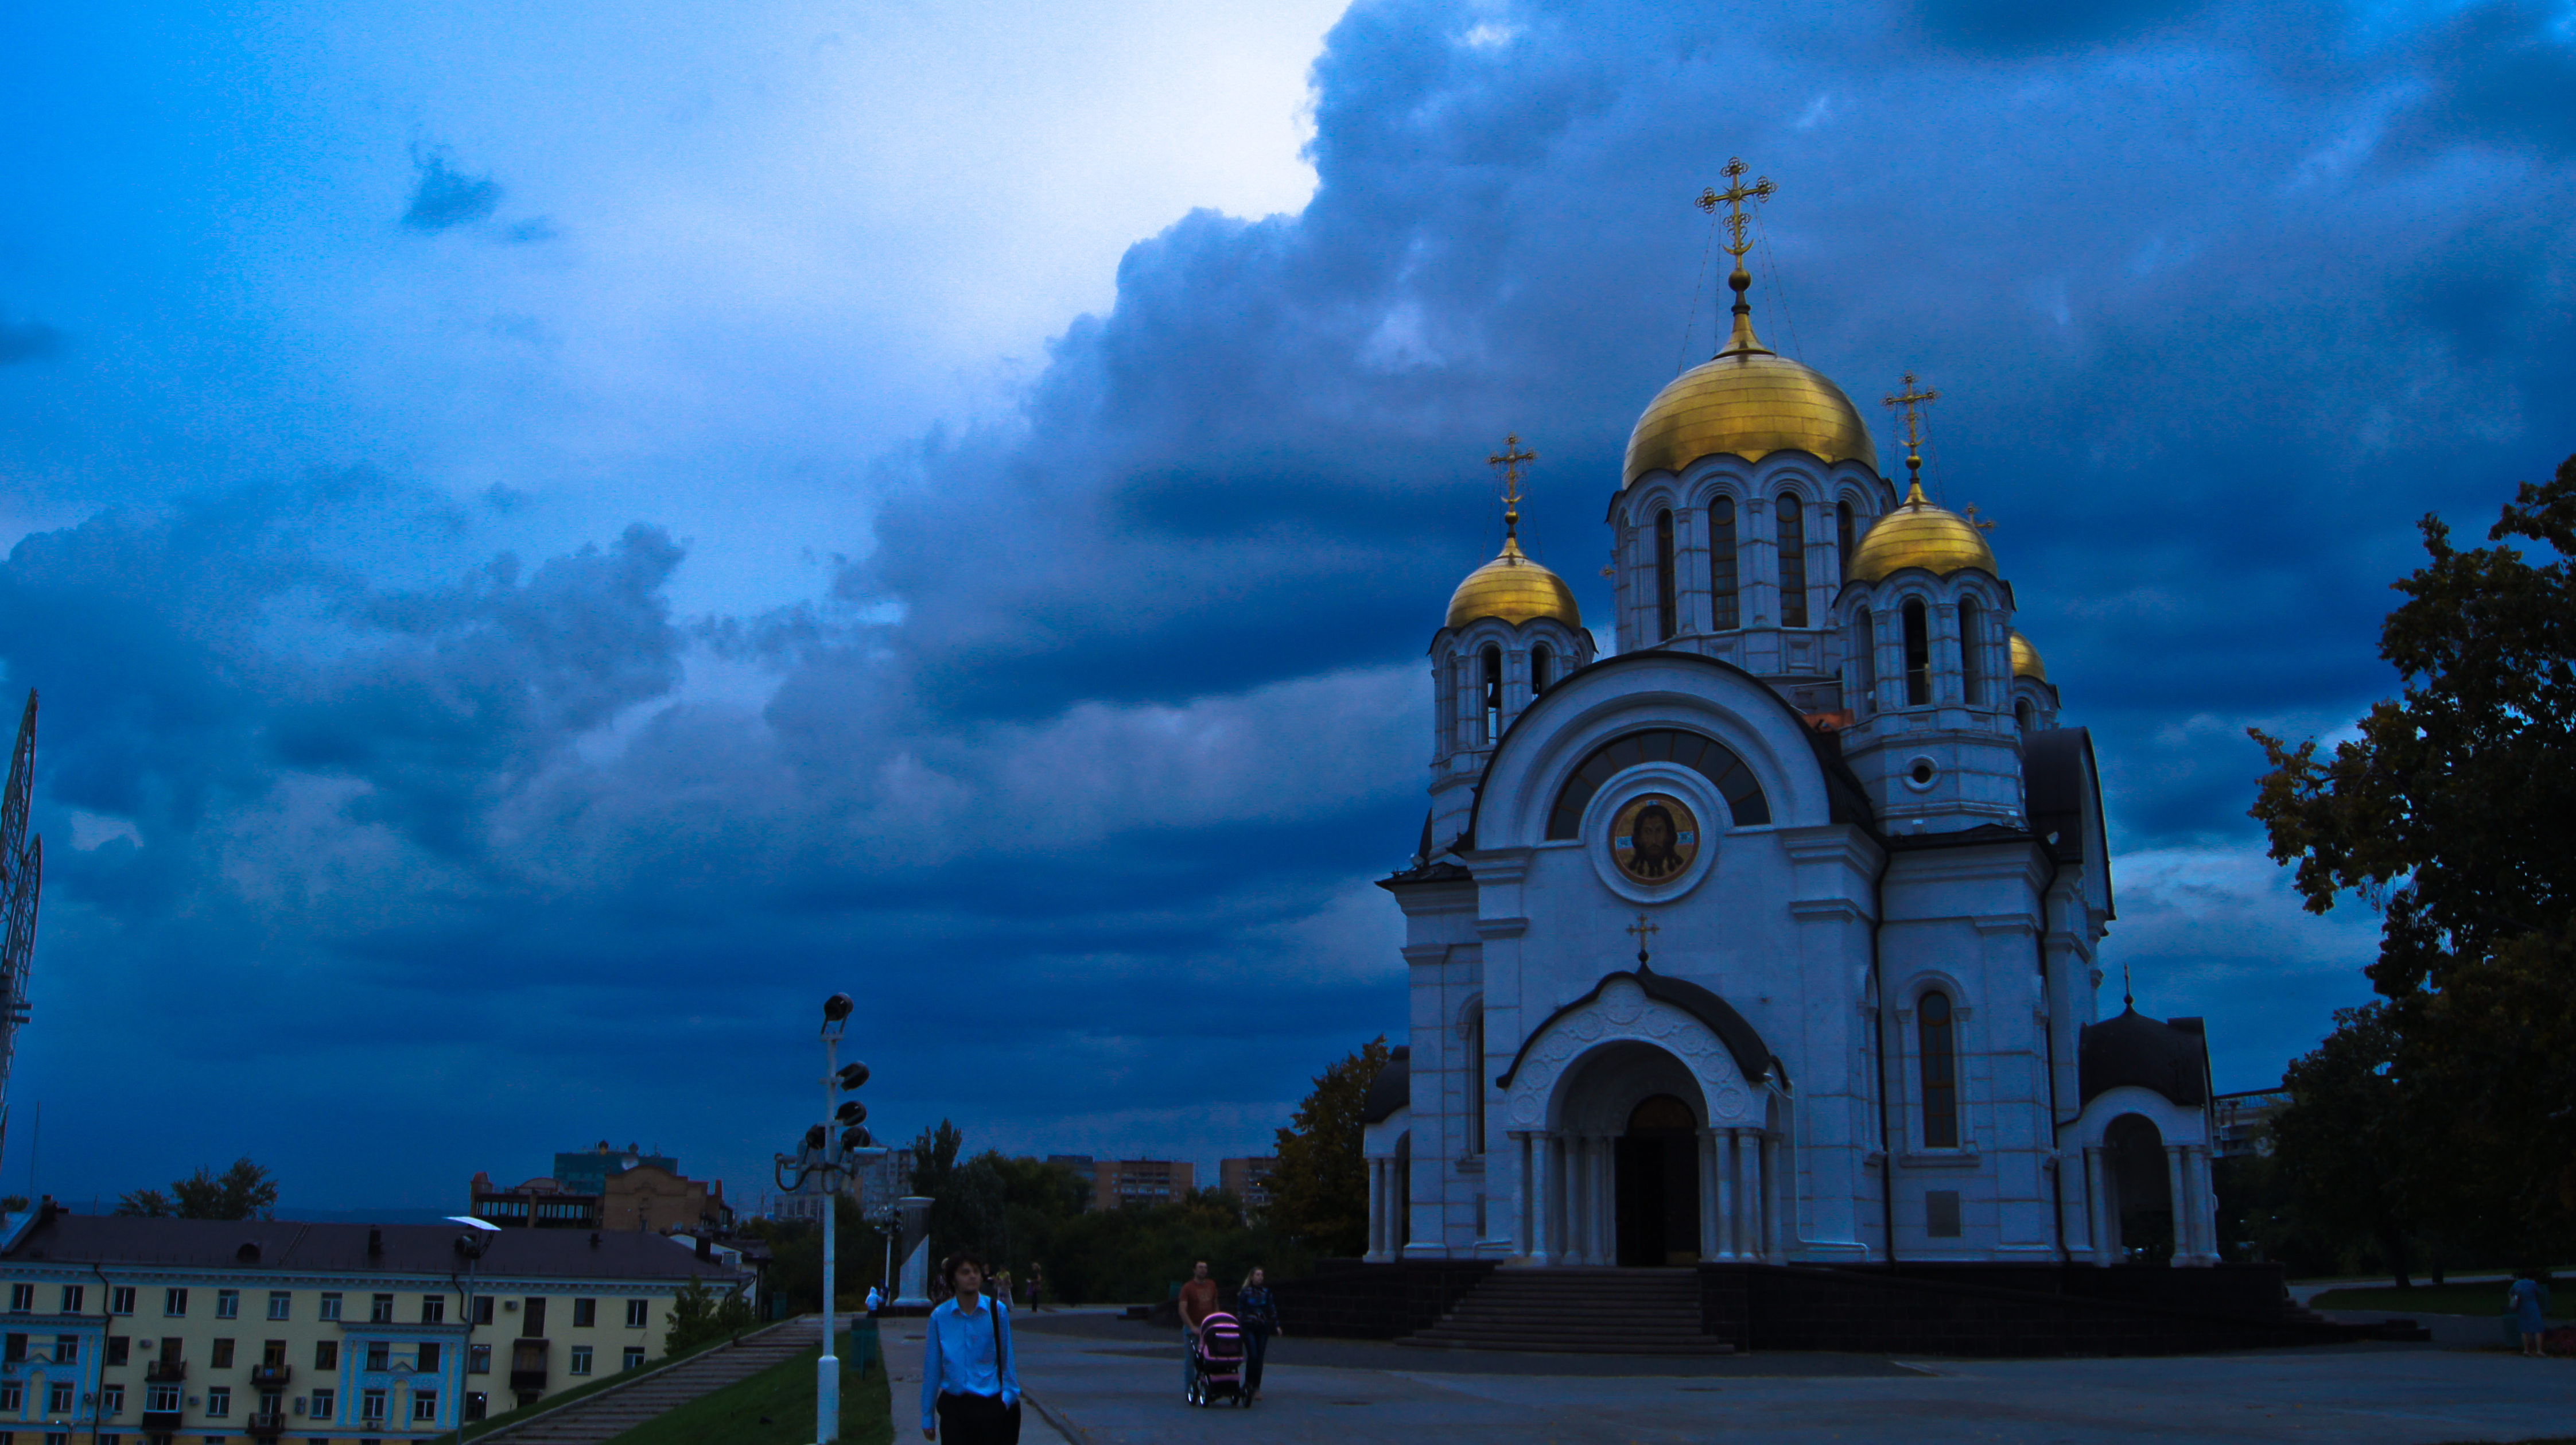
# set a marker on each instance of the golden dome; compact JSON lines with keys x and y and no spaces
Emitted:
{"x":1919,"y":534}
{"x":2025,"y":659}
{"x":1749,"y":402}
{"x":1515,"y":589}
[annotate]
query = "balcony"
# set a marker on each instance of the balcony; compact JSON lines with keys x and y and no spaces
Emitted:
{"x":160,"y":1422}
{"x":265,"y":1427}
{"x":166,"y":1372}
{"x":528,"y":1364}
{"x":270,"y":1377}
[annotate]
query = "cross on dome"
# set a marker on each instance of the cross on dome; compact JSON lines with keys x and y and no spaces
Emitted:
{"x":1733,"y":198}
{"x":1642,"y":930}
{"x":1510,"y":459}
{"x":1908,"y":403}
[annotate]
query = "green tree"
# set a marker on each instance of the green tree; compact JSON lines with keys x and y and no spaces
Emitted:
{"x":2453,"y":813}
{"x":2346,"y":1119}
{"x":245,"y":1190}
{"x":149,"y":1203}
{"x":1319,"y":1193}
{"x":698,"y":1315}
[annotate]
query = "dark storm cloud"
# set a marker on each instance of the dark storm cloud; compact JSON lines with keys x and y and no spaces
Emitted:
{"x":443,"y":196}
{"x":2500,"y":74}
{"x":28,"y":340}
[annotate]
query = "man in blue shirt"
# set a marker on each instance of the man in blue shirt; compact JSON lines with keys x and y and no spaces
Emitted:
{"x":969,"y":1381}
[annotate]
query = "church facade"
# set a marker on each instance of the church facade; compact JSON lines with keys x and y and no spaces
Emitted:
{"x":1771,"y":937}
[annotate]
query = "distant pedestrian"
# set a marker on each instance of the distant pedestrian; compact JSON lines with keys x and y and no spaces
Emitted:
{"x":2528,"y":1300}
{"x":969,"y":1384}
{"x":1037,"y":1288}
{"x":876,"y":1300}
{"x":1198,"y":1301}
{"x":1258,"y":1312}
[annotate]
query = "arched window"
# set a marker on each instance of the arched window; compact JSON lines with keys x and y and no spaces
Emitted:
{"x":1665,"y":622}
{"x":1493,"y":693}
{"x":1864,"y":651}
{"x":1843,"y":538}
{"x":2023,"y":713}
{"x":1475,"y":1084}
{"x":1939,"y":1047}
{"x":1542,"y":670}
{"x":1918,"y":655}
{"x":1793,"y":560}
{"x":1721,"y":564}
{"x":1972,"y":643}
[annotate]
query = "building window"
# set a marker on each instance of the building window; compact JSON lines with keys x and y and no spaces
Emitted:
{"x":1490,"y":663}
{"x":66,"y":1349}
{"x":1843,"y":537}
{"x":635,"y":1354}
{"x":326,"y":1354}
{"x":581,"y":1353}
{"x":119,"y":1349}
{"x":424,"y":1403}
{"x":483,"y":1309}
{"x":111,"y":1400}
{"x":120,"y":1300}
{"x":1971,"y":640}
{"x":585,"y":1312}
{"x":1792,"y":521}
{"x":272,"y":1355}
{"x":1721,"y":564}
{"x":13,"y":1349}
{"x":636,"y":1308}
{"x":380,"y":1355}
{"x":324,"y":1402}
{"x":371,"y":1406}
{"x":1475,"y":1087}
{"x":22,"y":1299}
{"x":478,"y":1359}
{"x":281,"y":1304}
{"x":380,"y":1310}
{"x":223,"y":1355}
{"x":1918,"y":655}
{"x":433,"y":1308}
{"x":478,"y":1404}
{"x":331,"y":1306}
{"x":1939,"y":1044}
{"x":228,"y":1304}
{"x":219,"y":1401}
{"x":1864,"y":651}
{"x":13,"y":1398}
{"x":2023,"y":712}
{"x":74,"y":1295}
{"x":1666,"y":619}
{"x":1542,"y":666}
{"x":428,"y":1359}
{"x":58,"y":1396}
{"x":174,"y":1303}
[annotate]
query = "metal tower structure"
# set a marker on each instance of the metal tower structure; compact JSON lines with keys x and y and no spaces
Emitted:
{"x":22,"y":875}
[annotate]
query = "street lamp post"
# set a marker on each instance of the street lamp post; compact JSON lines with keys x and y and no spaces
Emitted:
{"x":471,"y":1246}
{"x":830,"y":1161}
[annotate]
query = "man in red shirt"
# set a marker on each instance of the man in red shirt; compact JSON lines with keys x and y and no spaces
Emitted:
{"x":1198,"y":1301}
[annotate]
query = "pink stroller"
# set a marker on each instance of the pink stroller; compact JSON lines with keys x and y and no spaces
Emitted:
{"x":1216,"y":1361}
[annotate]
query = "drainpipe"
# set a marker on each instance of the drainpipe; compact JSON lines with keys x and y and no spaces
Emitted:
{"x":106,"y":1330}
{"x":1878,"y":986}
{"x":2056,"y":1128}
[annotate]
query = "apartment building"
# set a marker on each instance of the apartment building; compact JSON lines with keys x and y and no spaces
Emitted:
{"x":1248,"y":1180}
{"x":1115,"y":1182}
{"x":127,"y":1331}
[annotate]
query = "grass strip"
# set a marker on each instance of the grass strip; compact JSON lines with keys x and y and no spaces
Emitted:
{"x":2483,"y":1298}
{"x":776,"y":1407}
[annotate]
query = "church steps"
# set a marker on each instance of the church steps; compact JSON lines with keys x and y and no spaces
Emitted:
{"x":1578,"y":1311}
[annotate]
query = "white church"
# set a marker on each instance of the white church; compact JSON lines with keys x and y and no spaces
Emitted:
{"x":1770,"y":938}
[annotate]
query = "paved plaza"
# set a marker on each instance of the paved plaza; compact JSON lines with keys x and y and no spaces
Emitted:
{"x":1110,"y":1382}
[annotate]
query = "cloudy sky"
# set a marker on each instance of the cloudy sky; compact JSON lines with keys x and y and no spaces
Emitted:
{"x":553,"y":537}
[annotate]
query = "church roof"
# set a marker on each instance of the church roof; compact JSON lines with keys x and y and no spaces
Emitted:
{"x":1514,"y":589}
{"x":1920,"y":534}
{"x":1753,"y":1058}
{"x":2168,"y":1057}
{"x":2058,"y":783}
{"x":1392,"y":1089}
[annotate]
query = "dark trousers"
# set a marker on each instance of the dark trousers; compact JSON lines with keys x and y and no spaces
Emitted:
{"x":977,"y":1420}
{"x":1256,"y":1343}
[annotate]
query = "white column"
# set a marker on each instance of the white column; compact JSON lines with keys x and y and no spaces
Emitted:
{"x":1377,"y":1209}
{"x":2098,"y":1219}
{"x":2181,"y":1195}
{"x":1755,"y":1181}
{"x":1706,"y":1158}
{"x":1777,"y":1191}
{"x":1722,"y":1164}
{"x":1569,"y":1198}
{"x":2204,"y":1223}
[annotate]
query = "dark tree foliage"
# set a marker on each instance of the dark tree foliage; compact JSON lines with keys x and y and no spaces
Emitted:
{"x":699,"y":1314}
{"x":243,"y":1191}
{"x":2454,"y":814}
{"x":1319,"y":1193}
{"x":795,"y":1271}
{"x":1140,"y":1253}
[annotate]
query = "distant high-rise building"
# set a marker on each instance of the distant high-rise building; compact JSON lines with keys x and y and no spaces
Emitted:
{"x":1248,"y":1180}
{"x":1116,"y":1182}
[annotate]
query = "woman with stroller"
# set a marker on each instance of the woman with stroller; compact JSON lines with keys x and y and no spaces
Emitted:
{"x":1258,"y":1313}
{"x":968,"y":1382}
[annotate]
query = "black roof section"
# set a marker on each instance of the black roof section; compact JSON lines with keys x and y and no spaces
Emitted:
{"x":1752,"y":1056}
{"x":2059,"y":781}
{"x":2170,"y":1057}
{"x":1391,"y":1090}
{"x":290,"y":1247}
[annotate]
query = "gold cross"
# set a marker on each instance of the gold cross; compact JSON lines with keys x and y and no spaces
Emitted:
{"x":1733,"y":198}
{"x":1643,"y":929}
{"x":1909,"y":399}
{"x":1510,"y":459}
{"x":1982,"y":524}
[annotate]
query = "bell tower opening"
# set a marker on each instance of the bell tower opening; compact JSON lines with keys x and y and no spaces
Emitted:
{"x":1657,"y":1184}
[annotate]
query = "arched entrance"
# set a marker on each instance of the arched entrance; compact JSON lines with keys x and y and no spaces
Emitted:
{"x":2141,"y":1190}
{"x":1657,"y":1184}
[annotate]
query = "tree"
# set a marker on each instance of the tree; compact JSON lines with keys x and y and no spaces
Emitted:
{"x":246,"y":1190}
{"x":698,"y":1315}
{"x":2347,"y":1118}
{"x":1320,"y":1190}
{"x":2453,"y":813}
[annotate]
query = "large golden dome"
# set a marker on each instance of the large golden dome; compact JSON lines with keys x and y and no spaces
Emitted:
{"x":1919,"y":534}
{"x":2025,"y":659}
{"x":1747,"y":401}
{"x":1515,"y":589}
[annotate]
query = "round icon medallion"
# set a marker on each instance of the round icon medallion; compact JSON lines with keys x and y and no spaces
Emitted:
{"x":1653,"y":838}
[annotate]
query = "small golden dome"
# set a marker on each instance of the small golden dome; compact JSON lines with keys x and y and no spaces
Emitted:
{"x":2025,"y":659}
{"x":1515,"y":589}
{"x":1919,"y":534}
{"x":1748,"y":402}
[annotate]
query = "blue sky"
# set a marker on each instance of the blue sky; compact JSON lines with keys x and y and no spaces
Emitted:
{"x":553,"y":537}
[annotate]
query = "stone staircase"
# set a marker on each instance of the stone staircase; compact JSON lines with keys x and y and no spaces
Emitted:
{"x":610,"y":1413}
{"x":1579,"y":1311}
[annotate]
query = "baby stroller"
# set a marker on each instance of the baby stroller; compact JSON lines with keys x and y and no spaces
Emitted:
{"x":1216,"y":1361}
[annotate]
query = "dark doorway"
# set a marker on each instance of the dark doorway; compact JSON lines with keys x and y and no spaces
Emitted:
{"x":1657,"y":1184}
{"x":2141,"y":1190}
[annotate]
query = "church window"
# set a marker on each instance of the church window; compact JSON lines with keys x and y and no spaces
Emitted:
{"x":1542,"y":663}
{"x":1939,"y":1049}
{"x":1864,"y":651}
{"x":1842,"y":538}
{"x":1971,"y":643}
{"x":1475,"y":1084}
{"x":1918,"y":655}
{"x":2022,"y":712}
{"x":1666,"y":622}
{"x":1704,"y":756}
{"x":1493,"y":668}
{"x":1721,"y":563}
{"x":1793,"y":561}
